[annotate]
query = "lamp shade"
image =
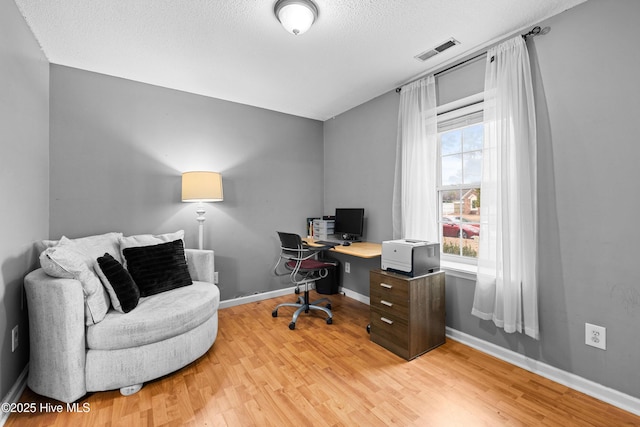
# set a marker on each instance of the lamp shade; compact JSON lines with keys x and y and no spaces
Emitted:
{"x":201,"y":186}
{"x":296,"y":16}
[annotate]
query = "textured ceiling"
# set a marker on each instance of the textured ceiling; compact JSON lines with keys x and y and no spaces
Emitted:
{"x":238,"y":51}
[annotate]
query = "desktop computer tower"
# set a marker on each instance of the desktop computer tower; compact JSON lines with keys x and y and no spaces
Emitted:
{"x":330,"y":285}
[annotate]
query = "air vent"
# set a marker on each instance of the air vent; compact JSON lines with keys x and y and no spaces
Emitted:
{"x":436,"y":50}
{"x":426,"y":55}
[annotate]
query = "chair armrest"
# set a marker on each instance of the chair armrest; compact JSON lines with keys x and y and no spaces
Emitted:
{"x":56,"y":336}
{"x":201,"y":264}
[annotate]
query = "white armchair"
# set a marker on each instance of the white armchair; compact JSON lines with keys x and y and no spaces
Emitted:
{"x":163,"y":333}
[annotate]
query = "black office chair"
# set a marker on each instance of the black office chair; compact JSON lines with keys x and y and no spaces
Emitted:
{"x":303,"y":268}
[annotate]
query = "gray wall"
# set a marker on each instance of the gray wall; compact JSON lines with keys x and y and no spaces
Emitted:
{"x":359,"y":159}
{"x":118,"y":149}
{"x":587,"y":106}
{"x":24,"y":178}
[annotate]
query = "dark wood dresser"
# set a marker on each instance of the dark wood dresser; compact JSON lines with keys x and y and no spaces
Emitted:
{"x":407,"y":313}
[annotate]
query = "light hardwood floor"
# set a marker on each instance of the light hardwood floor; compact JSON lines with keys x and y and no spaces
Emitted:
{"x":259,"y":373}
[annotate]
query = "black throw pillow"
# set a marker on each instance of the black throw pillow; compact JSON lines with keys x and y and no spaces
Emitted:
{"x":123,"y":292}
{"x":158,"y":268}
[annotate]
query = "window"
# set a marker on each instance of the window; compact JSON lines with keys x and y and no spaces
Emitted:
{"x":460,"y":141}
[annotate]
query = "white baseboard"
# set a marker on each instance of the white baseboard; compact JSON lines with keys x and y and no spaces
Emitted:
{"x":14,"y":393}
{"x":286,"y":291}
{"x":256,"y":297}
{"x":598,"y":391}
{"x":356,"y":296}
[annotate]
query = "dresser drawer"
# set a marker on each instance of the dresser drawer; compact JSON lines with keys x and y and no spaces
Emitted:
{"x":378,"y":292}
{"x":388,"y":327}
{"x":388,"y":286}
{"x":390,"y":304}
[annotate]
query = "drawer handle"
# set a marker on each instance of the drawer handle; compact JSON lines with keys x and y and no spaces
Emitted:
{"x":384,"y":285}
{"x":387,"y":303}
{"x":385,"y":320}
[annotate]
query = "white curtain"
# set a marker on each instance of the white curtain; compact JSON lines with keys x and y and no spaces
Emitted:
{"x":414,"y":194}
{"x":506,"y":288}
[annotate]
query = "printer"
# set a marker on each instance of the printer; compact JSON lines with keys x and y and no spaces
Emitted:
{"x":410,"y":257}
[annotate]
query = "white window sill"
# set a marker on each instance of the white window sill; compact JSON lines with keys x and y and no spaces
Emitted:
{"x":458,"y":269}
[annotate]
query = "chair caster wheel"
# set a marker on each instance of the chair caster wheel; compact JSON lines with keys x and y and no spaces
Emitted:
{"x":329,"y":321}
{"x":328,"y":306}
{"x":369,"y":328}
{"x":292,"y":325}
{"x":274,"y":313}
{"x":297,"y":291}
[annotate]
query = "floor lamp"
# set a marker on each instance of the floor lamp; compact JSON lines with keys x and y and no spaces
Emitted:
{"x":201,"y":187}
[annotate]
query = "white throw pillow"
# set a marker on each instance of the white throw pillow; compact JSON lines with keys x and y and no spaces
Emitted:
{"x":41,"y":245}
{"x":96,"y":246}
{"x":52,"y":268}
{"x":66,"y":262}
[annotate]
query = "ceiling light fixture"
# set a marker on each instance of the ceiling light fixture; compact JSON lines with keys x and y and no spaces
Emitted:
{"x":296,"y":16}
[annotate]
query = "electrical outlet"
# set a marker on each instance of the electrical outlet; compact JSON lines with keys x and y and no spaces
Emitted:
{"x":215,"y":277}
{"x":14,"y":339}
{"x":595,"y":336}
{"x":347,"y":267}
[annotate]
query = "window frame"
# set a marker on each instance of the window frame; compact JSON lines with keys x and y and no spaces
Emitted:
{"x":455,"y":115}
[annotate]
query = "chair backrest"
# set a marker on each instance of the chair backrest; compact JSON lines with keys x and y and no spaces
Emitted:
{"x":290,"y":243}
{"x":298,"y":260}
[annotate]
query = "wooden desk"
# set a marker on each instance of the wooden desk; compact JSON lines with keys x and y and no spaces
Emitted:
{"x":358,"y":249}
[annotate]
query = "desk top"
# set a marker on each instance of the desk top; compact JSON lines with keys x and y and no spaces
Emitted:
{"x":359,"y":249}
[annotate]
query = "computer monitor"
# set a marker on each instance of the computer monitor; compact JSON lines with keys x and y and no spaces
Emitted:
{"x":349,"y":223}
